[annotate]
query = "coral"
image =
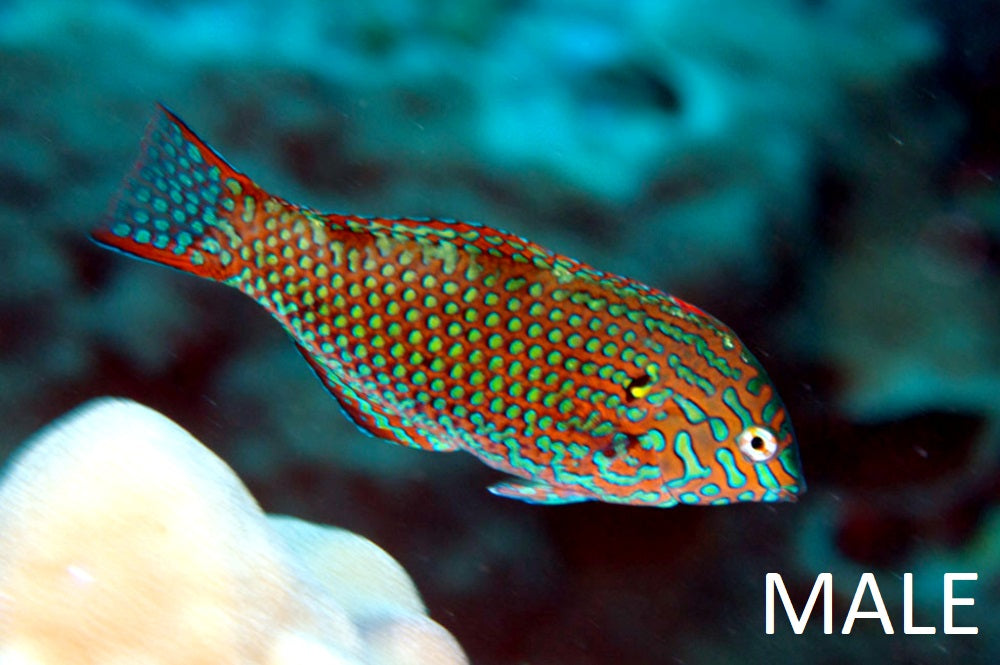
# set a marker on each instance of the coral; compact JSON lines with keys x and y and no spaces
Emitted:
{"x":124,"y":540}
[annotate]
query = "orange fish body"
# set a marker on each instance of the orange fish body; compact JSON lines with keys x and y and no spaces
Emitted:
{"x":448,"y":335}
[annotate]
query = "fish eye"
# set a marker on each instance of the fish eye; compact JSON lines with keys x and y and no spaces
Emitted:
{"x":757,"y":444}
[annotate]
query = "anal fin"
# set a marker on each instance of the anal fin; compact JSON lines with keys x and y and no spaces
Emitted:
{"x":373,"y":417}
{"x":536,"y":491}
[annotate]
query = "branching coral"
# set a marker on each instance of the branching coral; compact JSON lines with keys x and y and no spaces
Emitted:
{"x":124,"y":540}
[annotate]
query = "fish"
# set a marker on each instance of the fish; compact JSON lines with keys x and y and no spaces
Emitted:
{"x":444,"y":335}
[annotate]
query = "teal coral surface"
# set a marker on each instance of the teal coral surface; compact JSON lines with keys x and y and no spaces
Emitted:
{"x":821,"y":175}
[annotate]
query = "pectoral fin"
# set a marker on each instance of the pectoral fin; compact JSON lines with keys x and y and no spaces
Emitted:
{"x":536,"y":491}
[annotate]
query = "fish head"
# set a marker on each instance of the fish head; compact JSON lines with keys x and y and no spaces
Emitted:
{"x":716,"y":424}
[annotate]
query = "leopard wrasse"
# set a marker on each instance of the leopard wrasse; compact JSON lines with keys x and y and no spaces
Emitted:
{"x":446,"y":335}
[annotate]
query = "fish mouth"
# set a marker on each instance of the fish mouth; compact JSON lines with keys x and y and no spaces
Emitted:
{"x":789,"y":494}
{"x":783,"y":494}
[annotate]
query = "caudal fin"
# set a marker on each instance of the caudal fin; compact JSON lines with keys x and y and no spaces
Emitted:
{"x":180,"y":205}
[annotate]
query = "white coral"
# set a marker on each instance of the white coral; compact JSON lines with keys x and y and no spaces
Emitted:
{"x":124,"y":540}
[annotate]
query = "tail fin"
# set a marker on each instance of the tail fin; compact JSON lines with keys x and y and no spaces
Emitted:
{"x":180,"y":205}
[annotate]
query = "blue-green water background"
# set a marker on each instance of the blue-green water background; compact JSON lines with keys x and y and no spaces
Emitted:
{"x":821,"y":175}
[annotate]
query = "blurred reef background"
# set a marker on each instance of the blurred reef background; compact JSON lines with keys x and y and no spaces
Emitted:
{"x":819,"y":174}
